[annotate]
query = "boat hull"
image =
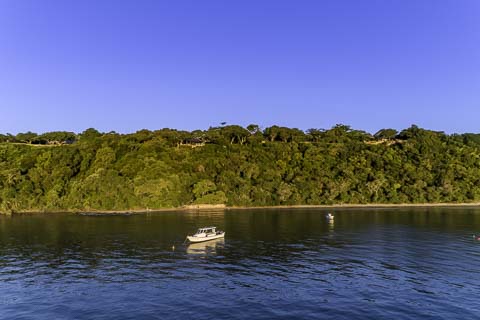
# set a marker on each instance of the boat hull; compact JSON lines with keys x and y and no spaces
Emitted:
{"x":201,"y":239}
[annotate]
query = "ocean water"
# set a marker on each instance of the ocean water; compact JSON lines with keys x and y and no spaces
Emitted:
{"x":390,"y":263}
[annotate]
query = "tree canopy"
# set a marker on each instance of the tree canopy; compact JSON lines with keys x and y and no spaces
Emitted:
{"x":235,"y":166}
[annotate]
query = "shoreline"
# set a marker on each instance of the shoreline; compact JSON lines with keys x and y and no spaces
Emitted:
{"x":359,"y":206}
{"x":225,"y":208}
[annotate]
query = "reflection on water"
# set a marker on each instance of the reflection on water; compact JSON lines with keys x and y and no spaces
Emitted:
{"x":207,"y":247}
{"x":367,"y":264}
{"x":331,"y":223}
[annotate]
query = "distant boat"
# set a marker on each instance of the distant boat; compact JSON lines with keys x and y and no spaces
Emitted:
{"x":206,"y":234}
{"x":329,"y":216}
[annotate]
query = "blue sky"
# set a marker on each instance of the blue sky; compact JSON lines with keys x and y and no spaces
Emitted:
{"x":134,"y":64}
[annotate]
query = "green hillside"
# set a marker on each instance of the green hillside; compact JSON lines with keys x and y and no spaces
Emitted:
{"x":236,"y":166}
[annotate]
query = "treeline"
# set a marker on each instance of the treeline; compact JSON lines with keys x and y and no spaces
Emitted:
{"x":57,"y":137}
{"x":236,"y":166}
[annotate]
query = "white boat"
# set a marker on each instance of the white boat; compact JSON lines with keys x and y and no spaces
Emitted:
{"x":329,"y":216}
{"x":206,"y":234}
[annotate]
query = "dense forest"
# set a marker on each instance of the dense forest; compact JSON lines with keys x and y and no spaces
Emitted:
{"x":235,"y":166}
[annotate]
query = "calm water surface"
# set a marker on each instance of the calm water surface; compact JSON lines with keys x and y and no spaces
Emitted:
{"x":273,"y":264}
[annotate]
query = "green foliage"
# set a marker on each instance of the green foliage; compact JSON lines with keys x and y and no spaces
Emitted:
{"x":276,"y":133}
{"x":57,"y":137}
{"x":26,"y":137}
{"x":90,"y":134}
{"x":236,"y":166}
{"x":386,"y":134}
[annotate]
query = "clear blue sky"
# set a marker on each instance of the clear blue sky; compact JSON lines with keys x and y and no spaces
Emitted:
{"x":133,"y":64}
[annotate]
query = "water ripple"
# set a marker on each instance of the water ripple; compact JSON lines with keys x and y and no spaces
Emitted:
{"x":382,"y":266}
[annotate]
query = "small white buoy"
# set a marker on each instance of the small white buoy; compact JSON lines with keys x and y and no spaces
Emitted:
{"x":173,"y":248}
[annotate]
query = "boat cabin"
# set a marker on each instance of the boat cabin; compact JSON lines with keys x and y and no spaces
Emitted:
{"x":206,"y":230}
